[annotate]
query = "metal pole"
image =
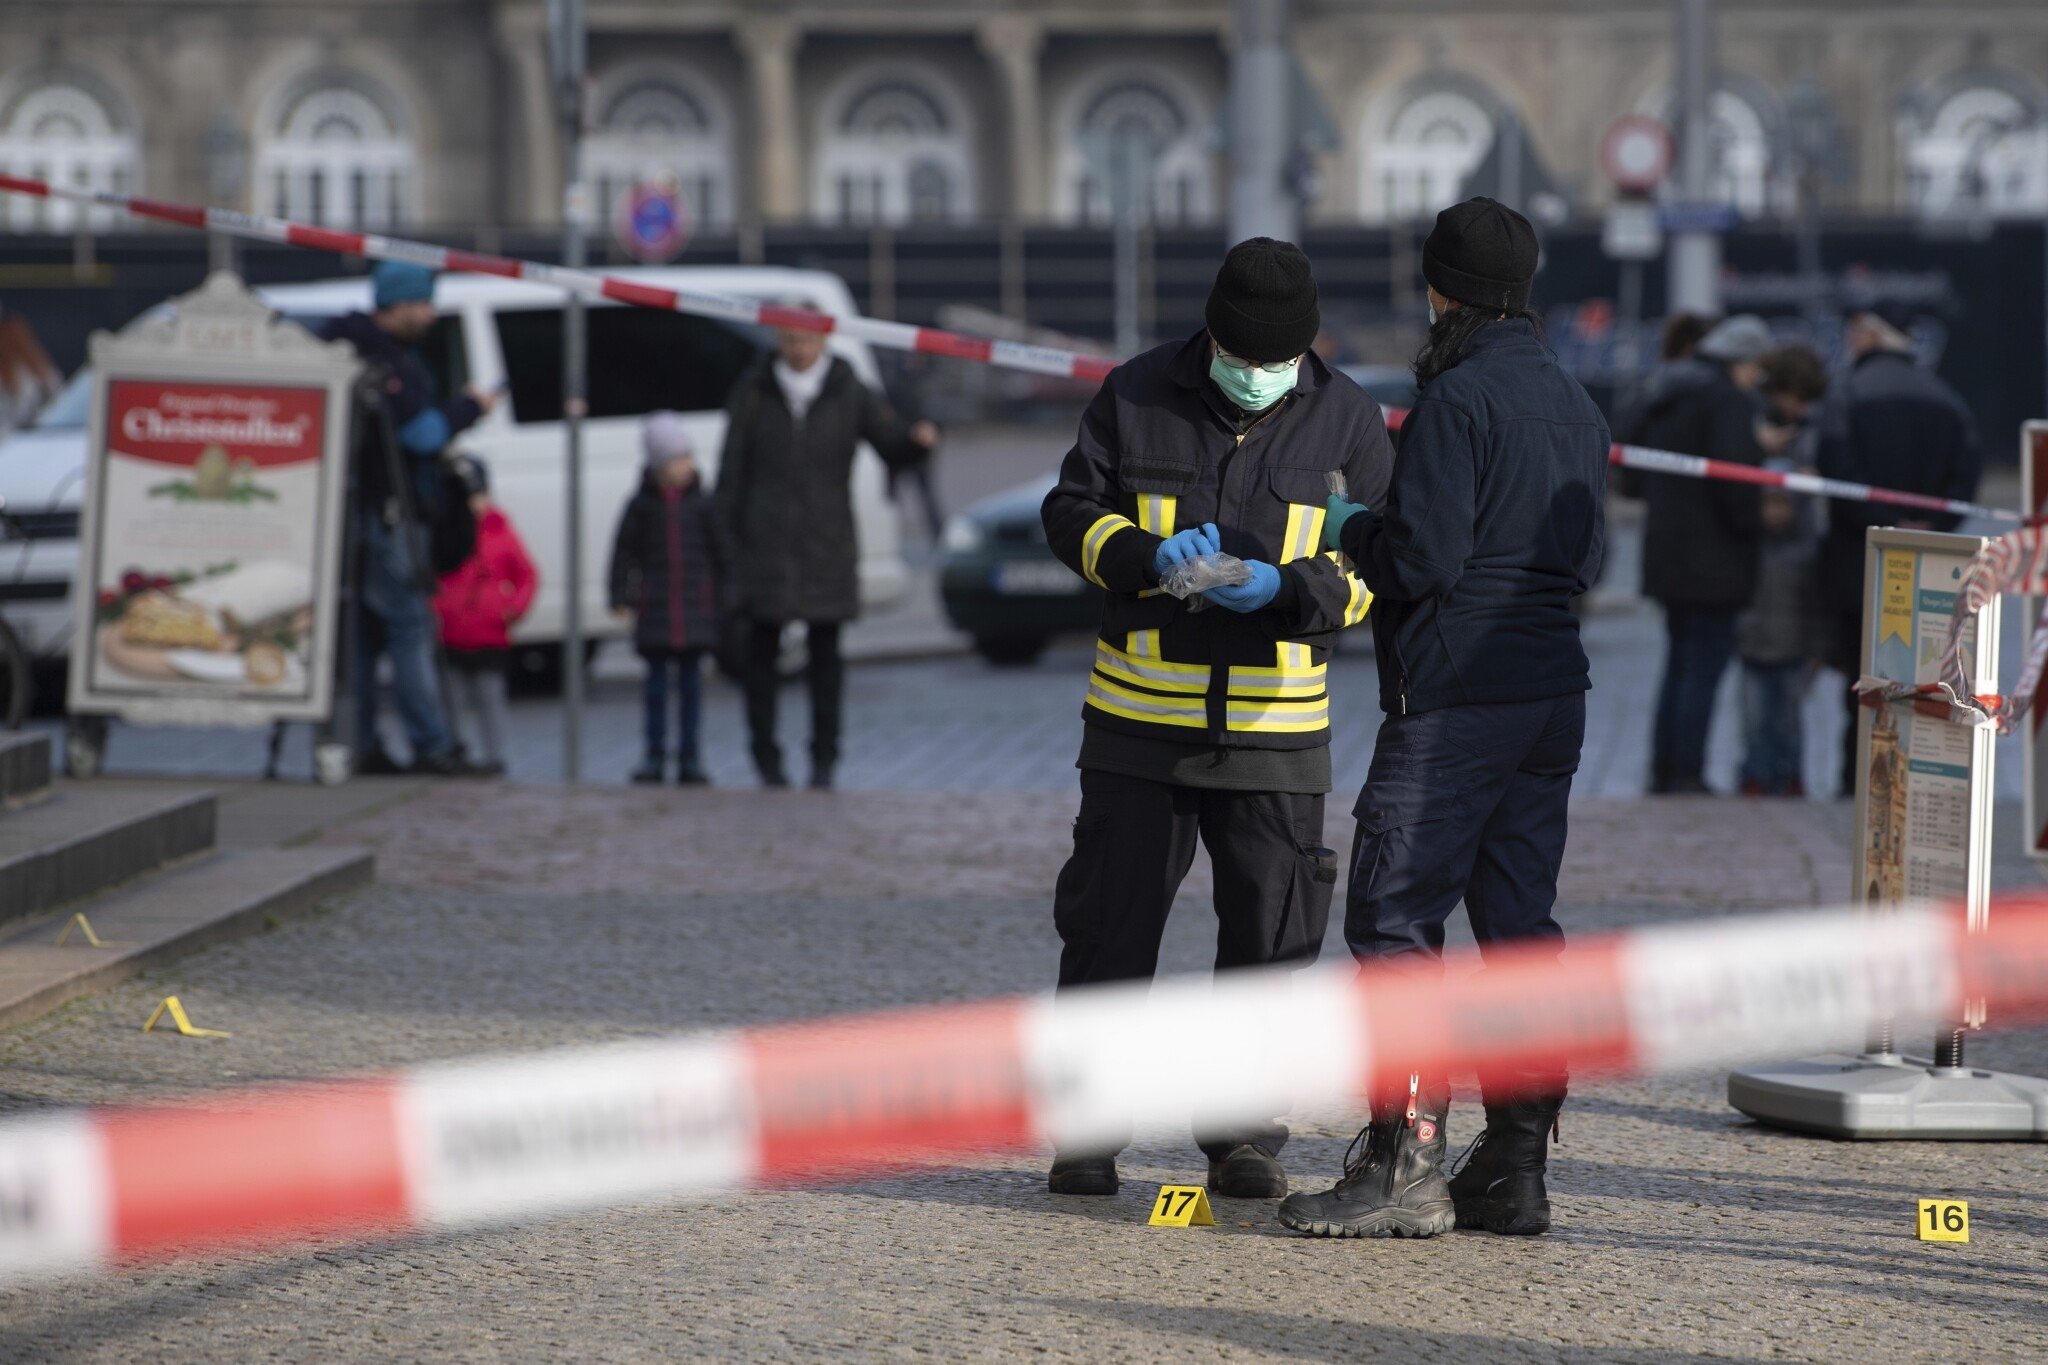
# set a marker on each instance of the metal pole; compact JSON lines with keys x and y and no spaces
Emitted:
{"x":1261,"y":126}
{"x":569,"y":69}
{"x":1123,"y":190}
{"x":1695,"y":256}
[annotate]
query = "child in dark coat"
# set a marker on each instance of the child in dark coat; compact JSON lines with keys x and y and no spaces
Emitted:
{"x":667,"y":575}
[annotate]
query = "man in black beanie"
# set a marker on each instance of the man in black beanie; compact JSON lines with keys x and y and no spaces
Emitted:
{"x":1492,"y":525}
{"x":1211,"y":722}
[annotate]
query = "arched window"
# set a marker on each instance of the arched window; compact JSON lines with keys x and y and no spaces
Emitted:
{"x":1742,"y":138}
{"x":1982,"y":149}
{"x":659,"y":122}
{"x":1418,"y":162}
{"x":895,"y":147}
{"x":1130,"y":112}
{"x":335,"y":153}
{"x":59,"y":129}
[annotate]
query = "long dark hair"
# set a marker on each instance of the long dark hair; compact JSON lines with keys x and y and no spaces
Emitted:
{"x":1452,"y":333}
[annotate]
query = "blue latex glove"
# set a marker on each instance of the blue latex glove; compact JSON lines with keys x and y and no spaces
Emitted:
{"x":1182,"y":546}
{"x":1336,"y":512}
{"x":1265,"y":585}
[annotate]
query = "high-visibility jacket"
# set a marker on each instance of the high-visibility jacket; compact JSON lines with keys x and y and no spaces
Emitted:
{"x":1159,"y":451}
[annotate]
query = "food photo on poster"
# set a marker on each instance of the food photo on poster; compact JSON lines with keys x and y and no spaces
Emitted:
{"x":209,"y":502}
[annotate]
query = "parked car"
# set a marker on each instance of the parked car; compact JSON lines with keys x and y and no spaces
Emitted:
{"x":495,"y":332}
{"x":998,"y":578}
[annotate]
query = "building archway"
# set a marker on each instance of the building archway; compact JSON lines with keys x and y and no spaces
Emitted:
{"x":1977,"y":145}
{"x":1743,"y":123}
{"x":1169,"y":119}
{"x":657,"y":121}
{"x":1417,"y":153}
{"x":66,"y":128}
{"x":336,"y":150}
{"x":895,"y":146}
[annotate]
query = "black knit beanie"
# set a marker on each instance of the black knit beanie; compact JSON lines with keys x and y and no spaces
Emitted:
{"x":1263,"y":306}
{"x":1482,"y":253}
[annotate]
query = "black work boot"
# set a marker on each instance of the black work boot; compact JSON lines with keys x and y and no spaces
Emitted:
{"x":1393,"y":1181}
{"x":1247,"y":1172}
{"x":1500,"y":1186}
{"x":1082,"y":1175}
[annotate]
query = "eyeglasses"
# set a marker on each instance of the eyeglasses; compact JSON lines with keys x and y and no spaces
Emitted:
{"x":1269,"y":366}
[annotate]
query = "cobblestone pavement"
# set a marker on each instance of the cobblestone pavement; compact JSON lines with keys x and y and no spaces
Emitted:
{"x":513,"y":917}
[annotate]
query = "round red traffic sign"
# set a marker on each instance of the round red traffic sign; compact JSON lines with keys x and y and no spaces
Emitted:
{"x":1637,"y":153}
{"x":652,"y":221}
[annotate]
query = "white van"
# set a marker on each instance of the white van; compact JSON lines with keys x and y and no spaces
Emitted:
{"x":497,"y":333}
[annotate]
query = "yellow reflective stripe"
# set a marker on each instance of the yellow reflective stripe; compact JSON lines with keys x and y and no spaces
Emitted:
{"x":1106,"y":696}
{"x":1278,"y":682}
{"x":1304,"y":531}
{"x":1151,"y":672}
{"x":1156,"y":513}
{"x":1143,"y":644}
{"x":1361,"y":596}
{"x":1278,"y":717}
{"x":1092,"y":543}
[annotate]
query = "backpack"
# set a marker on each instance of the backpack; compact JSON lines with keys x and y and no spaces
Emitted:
{"x":451,"y":525}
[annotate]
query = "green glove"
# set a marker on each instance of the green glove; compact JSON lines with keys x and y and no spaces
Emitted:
{"x":1336,"y":512}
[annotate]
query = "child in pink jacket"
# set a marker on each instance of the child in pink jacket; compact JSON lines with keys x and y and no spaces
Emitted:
{"x":478,"y":605}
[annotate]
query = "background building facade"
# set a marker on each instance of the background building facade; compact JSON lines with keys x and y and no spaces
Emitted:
{"x":438,"y":113}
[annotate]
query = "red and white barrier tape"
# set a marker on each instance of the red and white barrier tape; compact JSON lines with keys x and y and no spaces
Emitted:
{"x":460,"y":1144}
{"x":2013,"y":563}
{"x":899,"y":336}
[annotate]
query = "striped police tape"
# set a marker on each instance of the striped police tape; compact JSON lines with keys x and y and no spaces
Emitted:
{"x":898,"y":336}
{"x":480,"y":1142}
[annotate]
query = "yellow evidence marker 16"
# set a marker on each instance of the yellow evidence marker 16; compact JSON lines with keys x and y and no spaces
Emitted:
{"x":1181,"y":1206}
{"x":1943,"y":1220}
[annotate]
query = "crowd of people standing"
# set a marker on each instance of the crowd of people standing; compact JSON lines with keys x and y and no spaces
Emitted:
{"x":1760,"y":576}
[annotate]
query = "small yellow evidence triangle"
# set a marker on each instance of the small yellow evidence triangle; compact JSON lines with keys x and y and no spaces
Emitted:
{"x":171,"y":1007}
{"x":1181,"y":1206}
{"x":84,"y":927}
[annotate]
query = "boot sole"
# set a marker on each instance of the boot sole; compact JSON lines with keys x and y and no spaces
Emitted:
{"x":1489,"y":1215}
{"x":1387,"y":1223}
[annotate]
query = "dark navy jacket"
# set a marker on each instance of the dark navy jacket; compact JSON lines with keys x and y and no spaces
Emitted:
{"x":1493,"y":523}
{"x":1895,"y":424}
{"x":423,"y":422}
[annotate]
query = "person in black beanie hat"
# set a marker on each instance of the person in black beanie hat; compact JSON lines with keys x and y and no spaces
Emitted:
{"x":1210,"y":724}
{"x":1491,"y":526}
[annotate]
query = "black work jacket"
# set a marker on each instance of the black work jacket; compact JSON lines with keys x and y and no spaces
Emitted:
{"x":1701,"y":537}
{"x":1494,"y":522}
{"x":1894,"y":424}
{"x":1159,"y":451}
{"x":784,"y":497}
{"x":669,"y":567}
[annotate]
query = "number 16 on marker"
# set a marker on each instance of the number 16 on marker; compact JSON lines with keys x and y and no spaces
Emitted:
{"x":1943,"y":1220}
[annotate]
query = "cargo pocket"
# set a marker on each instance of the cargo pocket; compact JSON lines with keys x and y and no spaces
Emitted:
{"x":1085,"y":881}
{"x":1305,"y":917}
{"x":1405,"y":861}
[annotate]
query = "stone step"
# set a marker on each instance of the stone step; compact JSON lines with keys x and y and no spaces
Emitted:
{"x":24,"y":768}
{"x":83,"y":841}
{"x":222,"y":896}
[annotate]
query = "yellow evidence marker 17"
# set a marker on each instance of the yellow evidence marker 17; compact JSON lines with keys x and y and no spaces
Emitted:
{"x":1943,"y":1220}
{"x":1181,"y":1206}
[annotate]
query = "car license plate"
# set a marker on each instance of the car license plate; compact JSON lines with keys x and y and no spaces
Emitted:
{"x":1037,"y":578}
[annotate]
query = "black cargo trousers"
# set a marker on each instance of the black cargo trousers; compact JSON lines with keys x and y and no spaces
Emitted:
{"x":1134,"y":841}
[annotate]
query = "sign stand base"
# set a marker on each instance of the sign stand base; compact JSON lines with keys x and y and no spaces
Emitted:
{"x":1892,"y":1096}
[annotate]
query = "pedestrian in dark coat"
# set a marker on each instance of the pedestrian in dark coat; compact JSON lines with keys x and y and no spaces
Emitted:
{"x":1895,"y":424}
{"x":1493,"y":523}
{"x":669,"y":573}
{"x":785,"y":501}
{"x":1701,"y":537}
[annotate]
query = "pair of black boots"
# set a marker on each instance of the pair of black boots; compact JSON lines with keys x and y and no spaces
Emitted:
{"x":1394,"y":1183}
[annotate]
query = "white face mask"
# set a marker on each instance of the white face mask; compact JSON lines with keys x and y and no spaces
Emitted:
{"x":1434,"y":316}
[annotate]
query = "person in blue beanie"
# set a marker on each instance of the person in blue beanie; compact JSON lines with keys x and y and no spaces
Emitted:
{"x":395,"y":494}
